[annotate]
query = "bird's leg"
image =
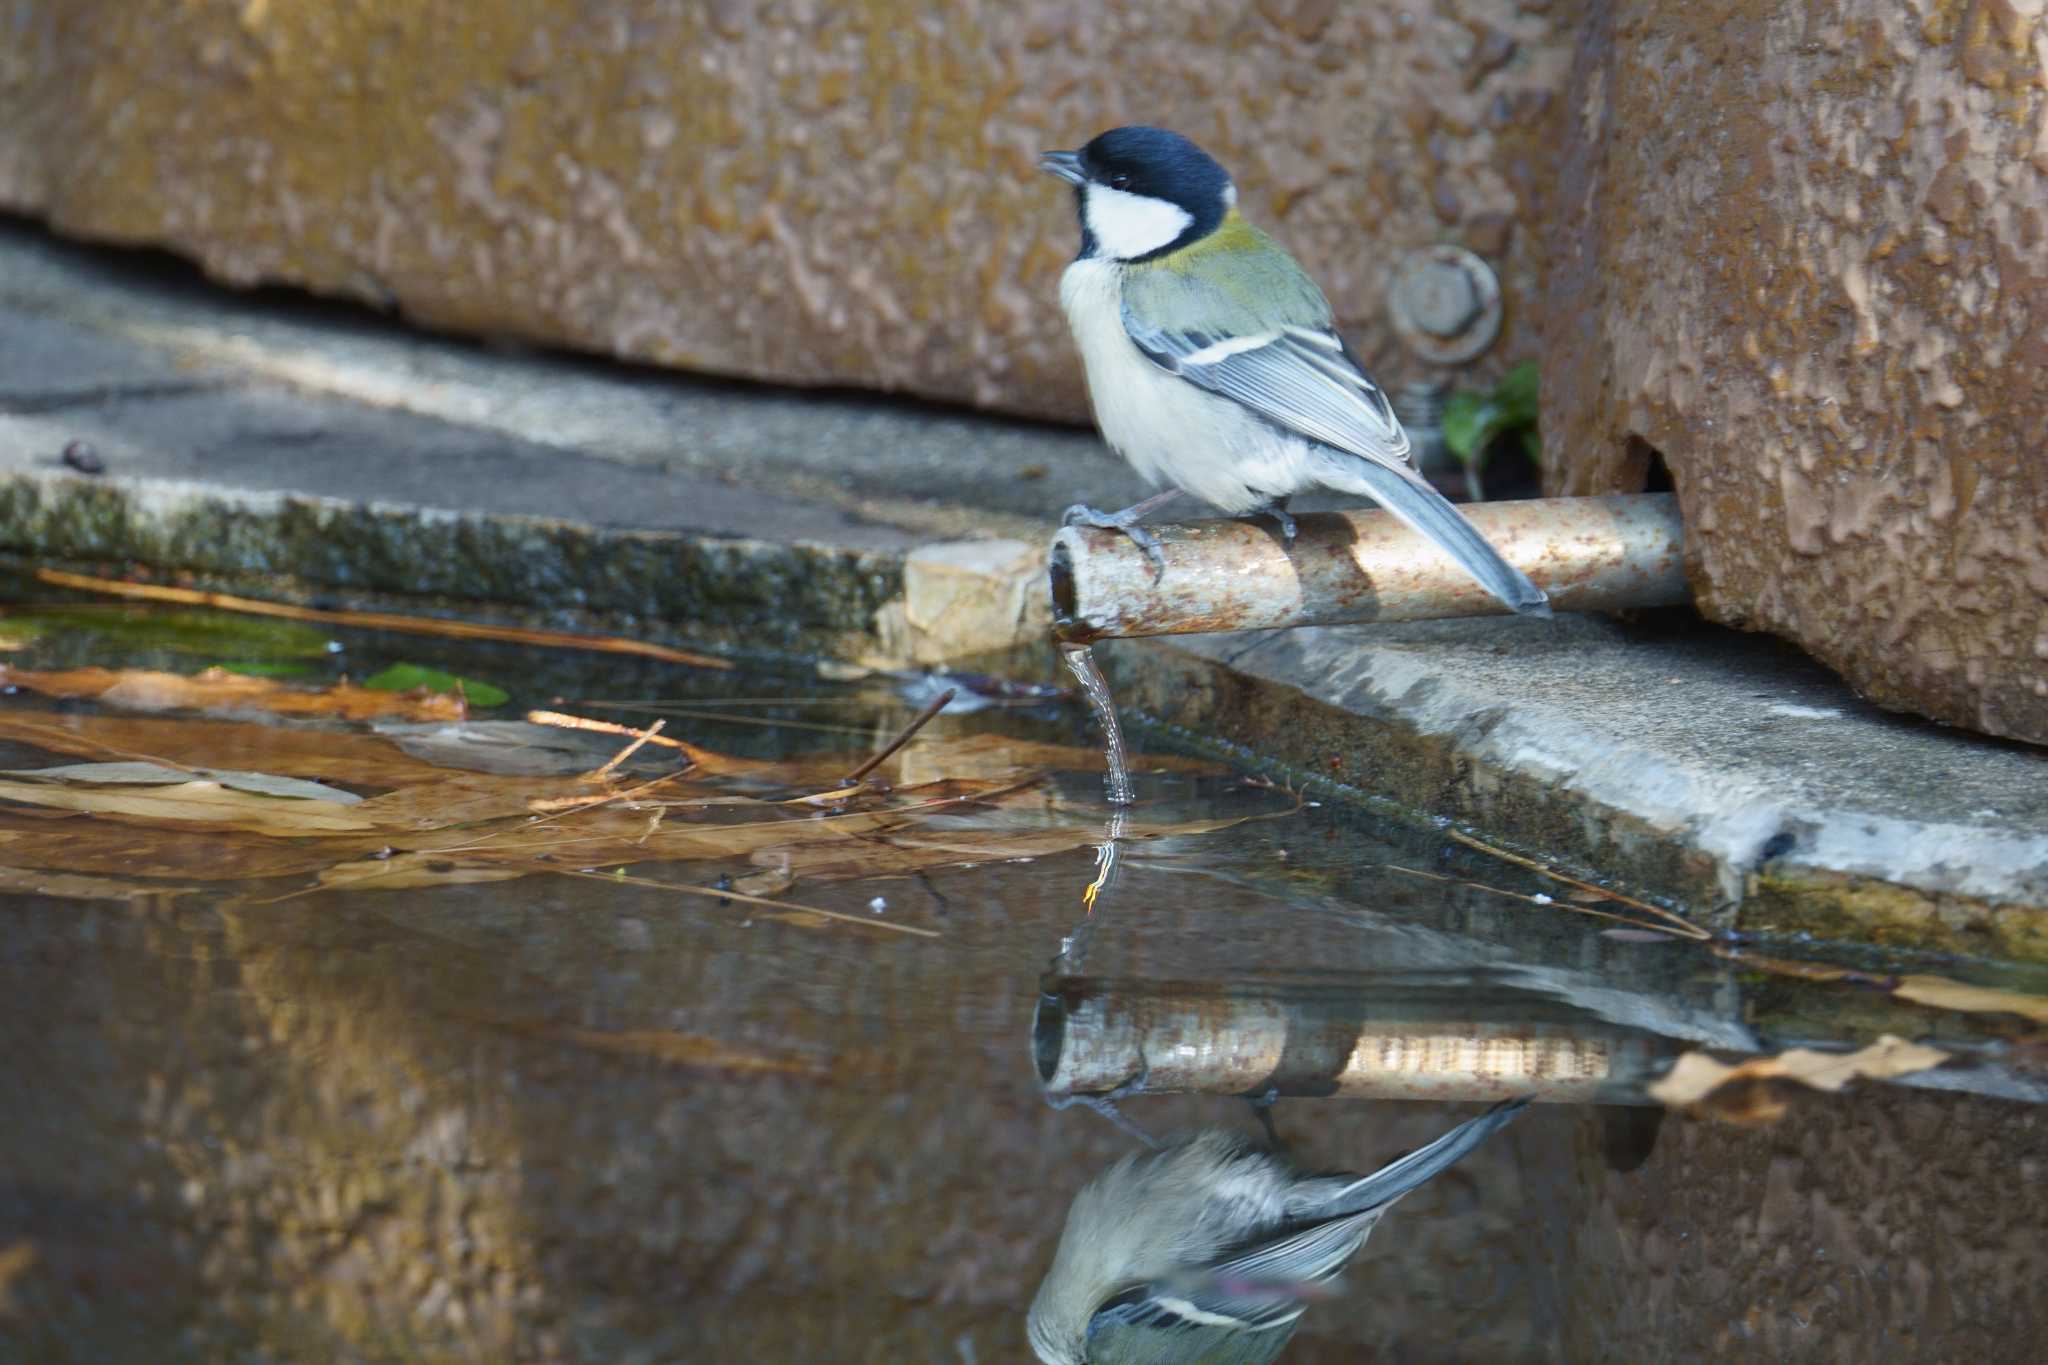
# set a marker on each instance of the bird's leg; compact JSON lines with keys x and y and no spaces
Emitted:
{"x":1081,"y":514}
{"x":1276,"y":508}
{"x":1105,"y":1105}
{"x":1262,"y":1105}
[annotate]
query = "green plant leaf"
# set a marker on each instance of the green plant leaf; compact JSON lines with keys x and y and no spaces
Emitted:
{"x":1473,"y":421}
{"x":1516,"y":393}
{"x":1468,"y":424}
{"x":406,"y":677}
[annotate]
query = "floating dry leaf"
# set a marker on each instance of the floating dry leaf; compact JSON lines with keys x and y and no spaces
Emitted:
{"x":135,"y":772}
{"x":332,"y":755}
{"x":63,"y":841}
{"x":232,"y":792}
{"x":412,"y":869}
{"x":1942,"y":993}
{"x":216,"y":689}
{"x":1734,"y":1093}
{"x":1935,"y":992}
{"x":508,"y":748}
{"x":195,"y":802}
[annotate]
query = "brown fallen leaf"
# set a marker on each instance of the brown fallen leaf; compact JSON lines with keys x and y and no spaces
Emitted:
{"x":324,"y":754}
{"x":207,"y":803}
{"x":412,"y":869}
{"x":427,"y":826}
{"x":1935,"y":992}
{"x":75,"y":843}
{"x":1698,"y":1081}
{"x":1942,"y":993}
{"x":216,"y":689}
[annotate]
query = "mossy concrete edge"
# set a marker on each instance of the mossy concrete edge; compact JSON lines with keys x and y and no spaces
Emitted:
{"x":741,"y":596}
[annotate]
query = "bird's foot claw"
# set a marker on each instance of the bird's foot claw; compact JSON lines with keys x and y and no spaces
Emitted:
{"x":1081,"y":514}
{"x":1277,"y":510}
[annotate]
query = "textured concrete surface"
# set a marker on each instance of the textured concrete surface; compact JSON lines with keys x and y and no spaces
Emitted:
{"x":819,"y":194}
{"x":1723,"y":770}
{"x":1802,"y":254}
{"x":248,"y":439}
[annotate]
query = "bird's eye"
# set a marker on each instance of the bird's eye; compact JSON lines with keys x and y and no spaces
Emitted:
{"x":1119,"y":181}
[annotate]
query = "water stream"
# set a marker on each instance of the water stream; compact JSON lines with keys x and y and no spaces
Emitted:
{"x":1080,"y":661}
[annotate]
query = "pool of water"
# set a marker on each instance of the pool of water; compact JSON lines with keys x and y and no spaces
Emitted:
{"x":518,"y":1083}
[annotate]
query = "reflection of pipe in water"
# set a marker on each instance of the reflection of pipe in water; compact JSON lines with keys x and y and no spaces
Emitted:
{"x":1589,"y":554}
{"x":1353,"y":1036}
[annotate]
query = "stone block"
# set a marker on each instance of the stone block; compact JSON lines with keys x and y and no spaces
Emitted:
{"x":969,"y":597}
{"x":1802,"y":256}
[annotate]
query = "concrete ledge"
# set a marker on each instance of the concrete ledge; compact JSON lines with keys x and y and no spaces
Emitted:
{"x":1726,"y":772}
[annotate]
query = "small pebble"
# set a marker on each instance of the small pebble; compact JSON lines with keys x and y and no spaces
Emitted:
{"x":83,"y":458}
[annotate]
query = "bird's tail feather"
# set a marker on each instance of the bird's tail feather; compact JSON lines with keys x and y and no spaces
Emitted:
{"x":1430,"y":513}
{"x":1392,"y":1181}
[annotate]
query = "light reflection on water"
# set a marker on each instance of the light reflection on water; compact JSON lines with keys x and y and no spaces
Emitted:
{"x":546,"y":1119}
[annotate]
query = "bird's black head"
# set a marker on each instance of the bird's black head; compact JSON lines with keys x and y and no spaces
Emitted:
{"x":1143,"y":192}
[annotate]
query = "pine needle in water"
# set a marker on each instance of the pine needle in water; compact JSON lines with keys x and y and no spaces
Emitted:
{"x":687,"y":889}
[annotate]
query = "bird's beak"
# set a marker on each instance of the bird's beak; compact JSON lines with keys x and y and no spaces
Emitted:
{"x":1065,"y":165}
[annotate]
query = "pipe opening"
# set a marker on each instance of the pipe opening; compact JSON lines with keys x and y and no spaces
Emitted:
{"x":1048,"y":1036}
{"x":1059,"y":582}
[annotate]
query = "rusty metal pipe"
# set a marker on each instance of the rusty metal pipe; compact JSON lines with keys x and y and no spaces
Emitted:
{"x":1094,"y":1036}
{"x":1589,"y":554}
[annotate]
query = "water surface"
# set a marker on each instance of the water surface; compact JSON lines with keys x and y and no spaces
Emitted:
{"x":561,"y":1118}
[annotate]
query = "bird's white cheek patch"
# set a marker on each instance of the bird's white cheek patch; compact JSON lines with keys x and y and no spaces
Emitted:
{"x":1126,"y":225}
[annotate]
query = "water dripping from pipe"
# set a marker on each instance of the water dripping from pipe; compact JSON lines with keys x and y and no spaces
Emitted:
{"x":1080,"y":661}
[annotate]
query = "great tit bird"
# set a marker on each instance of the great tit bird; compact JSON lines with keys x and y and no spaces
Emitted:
{"x":1214,"y":362}
{"x":1211,"y":1250}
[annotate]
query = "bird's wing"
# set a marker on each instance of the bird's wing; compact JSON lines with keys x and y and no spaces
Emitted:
{"x":1297,"y":376}
{"x":1131,"y":1343}
{"x":1395,"y":1179}
{"x":1250,"y":1300}
{"x":1260,"y":1288}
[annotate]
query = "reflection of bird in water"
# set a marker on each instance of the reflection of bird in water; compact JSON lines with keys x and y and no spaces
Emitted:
{"x":1211,"y":1250}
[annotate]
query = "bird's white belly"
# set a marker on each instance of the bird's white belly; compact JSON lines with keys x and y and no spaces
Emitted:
{"x":1170,"y":430}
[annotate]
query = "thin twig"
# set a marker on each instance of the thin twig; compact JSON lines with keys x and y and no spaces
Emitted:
{"x":689,"y":889}
{"x":561,"y":720}
{"x":639,"y":741}
{"x":917,"y":722}
{"x":768,"y":722}
{"x":379,"y":620}
{"x":542,"y":805}
{"x":1685,"y":926}
{"x":1546,"y":902}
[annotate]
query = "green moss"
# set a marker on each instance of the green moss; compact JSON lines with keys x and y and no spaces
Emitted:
{"x":1859,"y":909}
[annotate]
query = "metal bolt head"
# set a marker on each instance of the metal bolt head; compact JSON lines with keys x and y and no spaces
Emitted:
{"x":1445,"y":304}
{"x":1440,"y":297}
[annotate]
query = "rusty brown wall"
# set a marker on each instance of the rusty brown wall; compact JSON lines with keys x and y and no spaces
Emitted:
{"x":794,"y":191}
{"x":1802,"y":253}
